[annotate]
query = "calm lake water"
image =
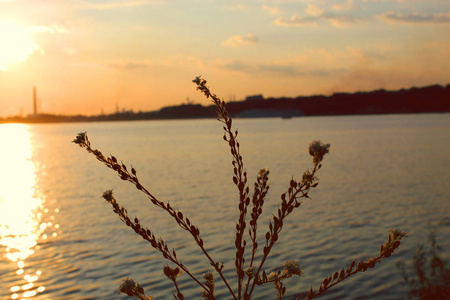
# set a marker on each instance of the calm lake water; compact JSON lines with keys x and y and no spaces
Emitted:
{"x":60,"y":240}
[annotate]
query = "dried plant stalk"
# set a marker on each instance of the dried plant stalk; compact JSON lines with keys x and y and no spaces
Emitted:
{"x":254,"y":272}
{"x":386,"y":251}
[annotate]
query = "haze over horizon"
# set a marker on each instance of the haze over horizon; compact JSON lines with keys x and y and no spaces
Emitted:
{"x":85,"y":56}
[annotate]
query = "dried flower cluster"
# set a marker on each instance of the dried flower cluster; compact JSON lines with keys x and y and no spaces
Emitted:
{"x":250,"y":207}
{"x":133,"y":289}
{"x":317,"y":150}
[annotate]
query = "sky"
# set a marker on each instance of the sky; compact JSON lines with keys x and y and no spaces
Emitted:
{"x":95,"y":56}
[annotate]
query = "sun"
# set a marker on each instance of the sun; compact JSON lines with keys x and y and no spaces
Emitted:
{"x":16,"y":43}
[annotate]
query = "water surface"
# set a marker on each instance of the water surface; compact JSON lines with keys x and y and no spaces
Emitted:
{"x":60,"y":240}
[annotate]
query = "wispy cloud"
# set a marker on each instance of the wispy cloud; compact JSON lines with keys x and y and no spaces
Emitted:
{"x":296,"y":20}
{"x":274,"y":10}
{"x":129,"y":65}
{"x":415,"y":18}
{"x":342,"y":20}
{"x":314,"y":10}
{"x":346,"y":6}
{"x":312,"y":20}
{"x":314,"y":14}
{"x":288,"y":69}
{"x":237,"y":7}
{"x":400,"y":1}
{"x":324,"y":63}
{"x":106,"y":5}
{"x":240,"y":40}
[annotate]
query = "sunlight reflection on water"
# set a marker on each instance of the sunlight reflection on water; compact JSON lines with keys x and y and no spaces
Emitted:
{"x":20,"y":207}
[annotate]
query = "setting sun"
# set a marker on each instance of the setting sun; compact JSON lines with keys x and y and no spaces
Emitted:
{"x":16,"y":43}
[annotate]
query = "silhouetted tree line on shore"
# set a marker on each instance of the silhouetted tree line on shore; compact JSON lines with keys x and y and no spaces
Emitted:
{"x":428,"y":99}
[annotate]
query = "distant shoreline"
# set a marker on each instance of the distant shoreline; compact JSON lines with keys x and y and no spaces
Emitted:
{"x":430,"y":99}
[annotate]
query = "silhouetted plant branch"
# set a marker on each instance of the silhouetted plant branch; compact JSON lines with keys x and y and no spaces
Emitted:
{"x":239,"y":177}
{"x":111,"y":162}
{"x":254,"y":272}
{"x":386,"y":250}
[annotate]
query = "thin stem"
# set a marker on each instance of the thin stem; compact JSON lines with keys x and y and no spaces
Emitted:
{"x":286,"y":208}
{"x":239,"y":178}
{"x":111,"y":162}
{"x":259,"y":194}
{"x":147,"y":235}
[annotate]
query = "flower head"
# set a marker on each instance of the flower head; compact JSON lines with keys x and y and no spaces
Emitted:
{"x":133,"y":289}
{"x":197,"y":80}
{"x":127,"y":287}
{"x":108,"y":195}
{"x":397,"y":233}
{"x":208,"y":276}
{"x":251,"y":271}
{"x":263,"y":174}
{"x":272,"y":276}
{"x":292,"y":268}
{"x":80,"y":139}
{"x":209,"y":282}
{"x":317,"y":150}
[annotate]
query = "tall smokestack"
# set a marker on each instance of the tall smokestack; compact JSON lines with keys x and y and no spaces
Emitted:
{"x":34,"y":101}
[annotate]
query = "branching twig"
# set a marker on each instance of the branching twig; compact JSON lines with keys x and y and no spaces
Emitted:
{"x":386,"y":250}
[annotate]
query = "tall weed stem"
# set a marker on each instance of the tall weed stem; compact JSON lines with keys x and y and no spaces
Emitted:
{"x":256,"y":275}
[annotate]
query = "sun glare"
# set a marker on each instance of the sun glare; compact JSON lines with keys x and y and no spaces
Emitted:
{"x":18,"y":204}
{"x":20,"y":216}
{"x":16,"y":43}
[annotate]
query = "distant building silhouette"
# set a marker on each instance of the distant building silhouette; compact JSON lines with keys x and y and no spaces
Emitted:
{"x":34,"y":101}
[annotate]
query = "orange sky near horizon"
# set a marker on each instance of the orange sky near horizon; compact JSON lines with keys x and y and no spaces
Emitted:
{"x":89,"y":56}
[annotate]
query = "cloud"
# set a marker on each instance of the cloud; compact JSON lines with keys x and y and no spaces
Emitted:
{"x":335,"y":20}
{"x":392,"y":17}
{"x":237,"y":7}
{"x":129,"y":65}
{"x":240,"y":40}
{"x":105,"y":5}
{"x":322,"y":63}
{"x":274,"y":10}
{"x":314,"y":10}
{"x":171,"y":62}
{"x":235,"y":65}
{"x":296,"y":21}
{"x":346,"y":6}
{"x":288,"y":69}
{"x":342,"y":21}
{"x":400,"y":1}
{"x":315,"y":14}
